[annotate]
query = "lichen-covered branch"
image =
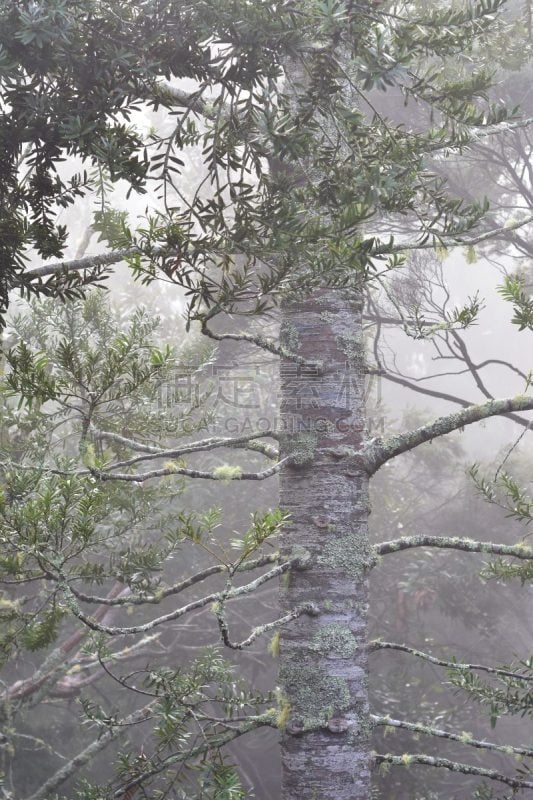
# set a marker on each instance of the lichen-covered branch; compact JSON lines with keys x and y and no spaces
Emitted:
{"x":81,"y":264}
{"x":222,"y":473}
{"x":152,"y":452}
{"x":409,"y":759}
{"x":219,"y":611}
{"x":176,"y":588}
{"x":263,"y":342}
{"x":463,"y":738}
{"x":520,"y":550}
{"x":215,"y":597}
{"x":378,"y":452}
{"x":403,"y":648}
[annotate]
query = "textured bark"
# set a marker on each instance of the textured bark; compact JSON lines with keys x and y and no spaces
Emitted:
{"x":324,"y":708}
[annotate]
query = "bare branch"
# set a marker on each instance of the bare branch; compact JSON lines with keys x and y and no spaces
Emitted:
{"x":306,"y":608}
{"x":403,"y":648}
{"x":451,"y":398}
{"x":454,"y":766}
{"x":464,"y":738}
{"x":215,"y":597}
{"x":520,"y":550}
{"x":263,"y":342}
{"x":176,"y":588}
{"x":80,"y":264}
{"x":379,"y":452}
{"x":152,"y":453}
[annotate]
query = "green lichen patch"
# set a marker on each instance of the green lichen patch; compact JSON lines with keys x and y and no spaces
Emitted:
{"x":289,"y":337}
{"x":352,"y":555}
{"x":335,"y":639}
{"x":314,"y":696}
{"x":301,"y":448}
{"x":352,"y":348}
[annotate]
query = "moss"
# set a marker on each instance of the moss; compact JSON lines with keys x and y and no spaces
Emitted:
{"x":273,"y":645}
{"x":283,"y":712}
{"x":285,"y":580}
{"x":407,"y":759}
{"x":352,"y":554}
{"x":227,"y":473}
{"x":315,"y":696}
{"x":336,"y":639}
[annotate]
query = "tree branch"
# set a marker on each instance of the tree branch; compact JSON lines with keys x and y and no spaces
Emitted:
{"x":403,"y":648}
{"x":520,"y":550}
{"x":454,"y":766}
{"x":305,"y":608}
{"x":451,"y":398}
{"x":464,"y":738}
{"x":215,"y":597}
{"x":453,"y":241}
{"x":48,"y":788}
{"x":176,"y":588}
{"x":377,"y":453}
{"x":141,"y":477}
{"x":152,"y":453}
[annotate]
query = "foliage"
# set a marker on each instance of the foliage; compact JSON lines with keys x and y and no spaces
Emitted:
{"x":298,"y":171}
{"x":79,"y":370}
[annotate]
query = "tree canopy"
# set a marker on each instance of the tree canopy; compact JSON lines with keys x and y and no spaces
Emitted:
{"x":315,"y":132}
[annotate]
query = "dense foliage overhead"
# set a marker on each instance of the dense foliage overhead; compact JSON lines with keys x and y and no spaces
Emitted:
{"x":73,"y":74}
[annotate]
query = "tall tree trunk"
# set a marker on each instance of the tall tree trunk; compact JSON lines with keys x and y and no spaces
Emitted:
{"x":324,"y":705}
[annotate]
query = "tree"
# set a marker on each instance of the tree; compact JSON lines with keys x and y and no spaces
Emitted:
{"x":304,"y":230}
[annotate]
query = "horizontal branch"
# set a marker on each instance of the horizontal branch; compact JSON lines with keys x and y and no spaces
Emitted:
{"x":463,"y":738}
{"x":140,"y":477}
{"x":215,"y":597}
{"x":191,"y":100}
{"x":520,"y":550}
{"x":151,"y":453}
{"x":403,"y":648}
{"x":380,"y":451}
{"x":454,"y":766}
{"x":263,"y":342}
{"x":453,"y":241}
{"x":81,"y":264}
{"x":176,"y":588}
